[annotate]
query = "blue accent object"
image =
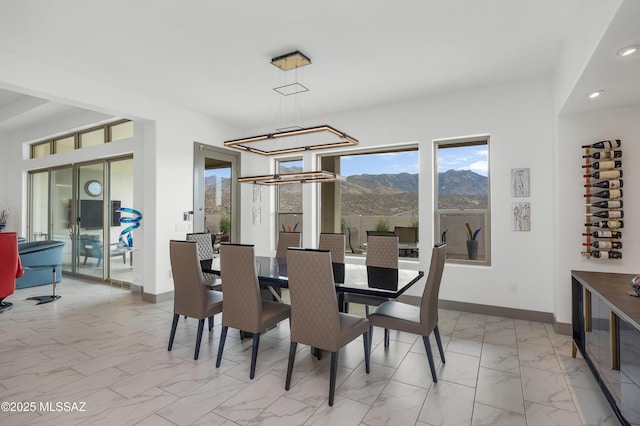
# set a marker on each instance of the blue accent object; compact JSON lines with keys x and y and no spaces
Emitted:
{"x":34,"y":256}
{"x":135,"y":221}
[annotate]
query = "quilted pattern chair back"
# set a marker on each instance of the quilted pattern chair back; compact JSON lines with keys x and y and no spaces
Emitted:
{"x":286,"y":240}
{"x":335,"y":243}
{"x":429,"y":303}
{"x":190,"y":297}
{"x":382,"y":251}
{"x":242,"y":299}
{"x":205,"y":250}
{"x":205,"y":244}
{"x":314,"y":305}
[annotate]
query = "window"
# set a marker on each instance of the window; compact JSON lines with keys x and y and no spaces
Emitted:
{"x":121,"y":130}
{"x":289,"y":199}
{"x":64,"y":144}
{"x":461,"y":202}
{"x":92,"y":138}
{"x":95,"y":136}
{"x":379,"y":193}
{"x":41,"y":149}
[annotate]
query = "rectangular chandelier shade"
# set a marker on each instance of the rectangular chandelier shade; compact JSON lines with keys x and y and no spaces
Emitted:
{"x":301,"y":139}
{"x":297,"y":177}
{"x":291,"y":60}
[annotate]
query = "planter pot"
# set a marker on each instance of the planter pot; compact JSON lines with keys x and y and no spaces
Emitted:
{"x":472,"y":249}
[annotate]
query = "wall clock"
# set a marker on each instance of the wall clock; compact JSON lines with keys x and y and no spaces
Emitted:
{"x":93,"y":188}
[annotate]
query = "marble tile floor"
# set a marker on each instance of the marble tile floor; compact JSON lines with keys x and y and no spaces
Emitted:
{"x":99,"y":356}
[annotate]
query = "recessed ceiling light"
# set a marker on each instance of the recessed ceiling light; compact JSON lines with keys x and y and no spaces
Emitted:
{"x":628,"y":50}
{"x":593,"y":95}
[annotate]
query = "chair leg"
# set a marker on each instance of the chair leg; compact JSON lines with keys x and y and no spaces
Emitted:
{"x":210,"y":323}
{"x":292,"y":358}
{"x":427,"y":347}
{"x":199,"y":338}
{"x":436,"y":333}
{"x":254,"y":354}
{"x":366,"y":310}
{"x":174,"y":326}
{"x":332,"y":377}
{"x":386,"y":338}
{"x":223,"y":336}
{"x":367,"y":350}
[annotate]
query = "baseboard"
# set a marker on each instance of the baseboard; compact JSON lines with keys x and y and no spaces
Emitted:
{"x":499,"y":311}
{"x":157,"y":298}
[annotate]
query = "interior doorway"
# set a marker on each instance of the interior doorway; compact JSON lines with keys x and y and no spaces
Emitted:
{"x":215,"y":192}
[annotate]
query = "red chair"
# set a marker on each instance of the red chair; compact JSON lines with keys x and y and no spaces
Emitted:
{"x":10,"y":268}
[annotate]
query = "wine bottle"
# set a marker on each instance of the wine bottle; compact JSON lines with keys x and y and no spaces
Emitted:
{"x":607,"y":224}
{"x":608,"y":214}
{"x":614,"y":143}
{"x":601,"y":254}
{"x":609,"y":164}
{"x":613,"y":184}
{"x":603,"y":155}
{"x":613,"y":194}
{"x":612,"y":204}
{"x":605,"y":174}
{"x":604,"y":234}
{"x":605,"y":244}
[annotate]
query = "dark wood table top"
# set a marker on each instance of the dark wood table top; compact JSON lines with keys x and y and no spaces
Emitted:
{"x":614,"y":289}
{"x":349,"y":278}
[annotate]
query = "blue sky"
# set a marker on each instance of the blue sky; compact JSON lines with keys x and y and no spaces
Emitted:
{"x":458,"y":158}
{"x":472,"y":158}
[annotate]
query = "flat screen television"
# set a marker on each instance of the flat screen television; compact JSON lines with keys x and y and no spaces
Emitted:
{"x":91,"y":214}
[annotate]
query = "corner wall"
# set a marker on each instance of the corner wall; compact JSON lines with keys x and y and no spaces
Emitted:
{"x":573,"y":132}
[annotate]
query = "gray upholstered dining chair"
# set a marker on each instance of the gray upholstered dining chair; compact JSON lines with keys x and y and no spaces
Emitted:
{"x":286,"y":240}
{"x":204,"y":241}
{"x":315,"y":320}
{"x":382,"y":252}
{"x":192,"y":298}
{"x":335,"y":243}
{"x":244,"y":308}
{"x":423,"y":319}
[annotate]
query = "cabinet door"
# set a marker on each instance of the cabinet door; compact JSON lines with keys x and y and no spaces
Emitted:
{"x":630,"y":372}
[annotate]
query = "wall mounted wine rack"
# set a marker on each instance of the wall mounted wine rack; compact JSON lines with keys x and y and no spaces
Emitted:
{"x":603,"y":200}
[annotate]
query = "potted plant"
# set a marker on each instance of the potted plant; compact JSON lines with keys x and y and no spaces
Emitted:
{"x":472,"y":242}
{"x":382,"y":225}
{"x":225,"y":225}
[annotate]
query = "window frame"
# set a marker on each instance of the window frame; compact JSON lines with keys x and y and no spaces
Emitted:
{"x":336,"y":224}
{"x":480,"y":140}
{"x":52,"y":142}
{"x":278,"y":163}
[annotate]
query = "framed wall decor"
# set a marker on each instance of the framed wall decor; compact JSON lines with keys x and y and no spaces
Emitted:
{"x":520,"y":182}
{"x":521,"y":216}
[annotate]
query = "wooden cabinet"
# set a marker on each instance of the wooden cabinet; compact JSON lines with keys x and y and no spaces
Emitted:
{"x":606,"y":330}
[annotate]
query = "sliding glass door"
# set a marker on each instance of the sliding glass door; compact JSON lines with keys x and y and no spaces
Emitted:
{"x":79,"y":204}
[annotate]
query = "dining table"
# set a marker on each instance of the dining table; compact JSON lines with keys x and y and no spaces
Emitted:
{"x":348,"y":278}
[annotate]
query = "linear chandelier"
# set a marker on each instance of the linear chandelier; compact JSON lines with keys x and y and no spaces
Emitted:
{"x":325,"y":139}
{"x":297,"y":177}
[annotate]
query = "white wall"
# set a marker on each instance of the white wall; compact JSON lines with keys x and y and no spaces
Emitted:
{"x":573,"y":132}
{"x":163,"y":157}
{"x":518,"y":119}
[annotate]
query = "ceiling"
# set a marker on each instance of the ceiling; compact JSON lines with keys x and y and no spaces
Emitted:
{"x":214,"y":57}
